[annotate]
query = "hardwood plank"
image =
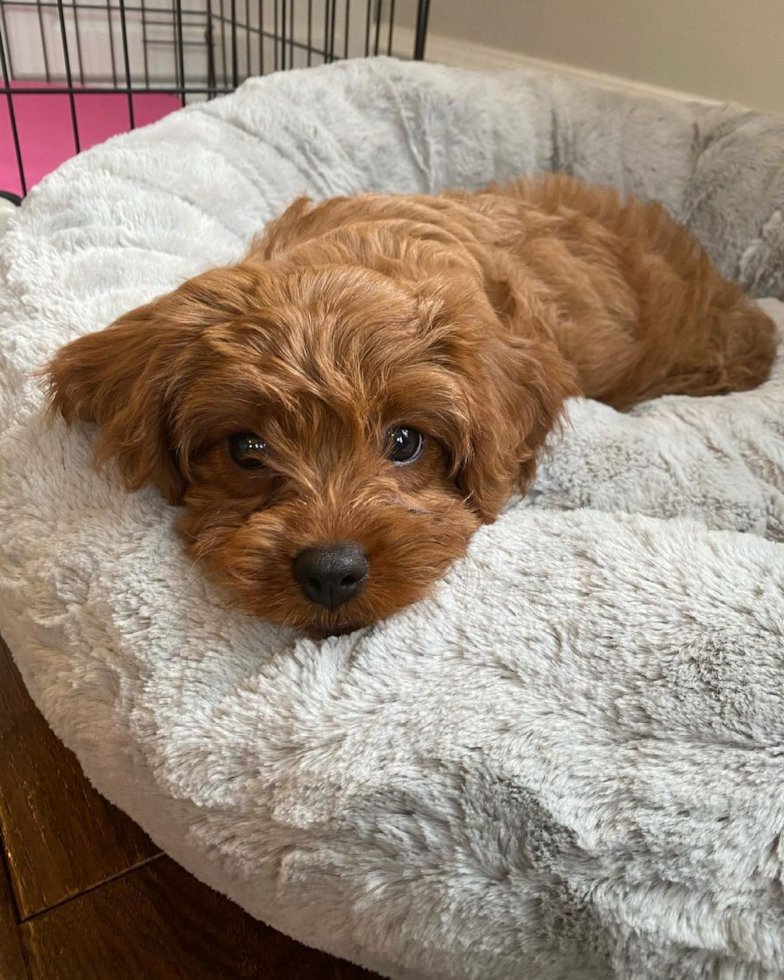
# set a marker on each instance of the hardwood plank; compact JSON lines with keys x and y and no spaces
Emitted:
{"x":12,"y":963}
{"x":61,"y":836}
{"x":160,"y":922}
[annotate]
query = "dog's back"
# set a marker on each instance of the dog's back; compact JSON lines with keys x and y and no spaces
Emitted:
{"x":644,"y":312}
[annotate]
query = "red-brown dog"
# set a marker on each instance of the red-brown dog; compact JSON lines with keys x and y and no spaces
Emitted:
{"x":341,"y":410}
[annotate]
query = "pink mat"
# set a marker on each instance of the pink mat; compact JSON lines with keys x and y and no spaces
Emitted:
{"x":45,"y":133}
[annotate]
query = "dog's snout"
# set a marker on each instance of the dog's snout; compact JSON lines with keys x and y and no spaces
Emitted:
{"x":331,"y":574}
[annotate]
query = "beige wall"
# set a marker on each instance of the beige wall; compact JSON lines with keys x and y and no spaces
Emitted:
{"x":719,"y":49}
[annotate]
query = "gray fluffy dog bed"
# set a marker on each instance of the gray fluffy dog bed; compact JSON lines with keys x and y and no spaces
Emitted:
{"x":566,"y":764}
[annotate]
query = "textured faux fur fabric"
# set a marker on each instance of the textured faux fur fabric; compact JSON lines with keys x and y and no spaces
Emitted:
{"x":566,"y":765}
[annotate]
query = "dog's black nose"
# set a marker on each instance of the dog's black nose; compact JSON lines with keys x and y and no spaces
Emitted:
{"x":331,"y":574}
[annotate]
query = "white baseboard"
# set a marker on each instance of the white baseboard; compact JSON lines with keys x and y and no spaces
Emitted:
{"x":465,"y":54}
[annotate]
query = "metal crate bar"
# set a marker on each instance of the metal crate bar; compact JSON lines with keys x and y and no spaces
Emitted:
{"x":127,"y":63}
{"x":12,"y":114}
{"x":68,"y":78}
{"x":180,"y":49}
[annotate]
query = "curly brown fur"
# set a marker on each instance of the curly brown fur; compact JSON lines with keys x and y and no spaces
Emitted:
{"x":470,"y":317}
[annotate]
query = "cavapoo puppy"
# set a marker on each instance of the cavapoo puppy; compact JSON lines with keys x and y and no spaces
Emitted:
{"x":342,"y":409}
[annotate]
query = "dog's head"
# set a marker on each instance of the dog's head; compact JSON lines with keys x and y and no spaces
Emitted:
{"x":335,"y":433}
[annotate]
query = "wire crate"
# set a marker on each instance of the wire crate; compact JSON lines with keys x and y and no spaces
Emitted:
{"x":74,"y":72}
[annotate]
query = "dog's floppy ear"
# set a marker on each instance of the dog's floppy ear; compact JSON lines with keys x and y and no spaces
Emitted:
{"x":124,"y":379}
{"x":118,"y":378}
{"x":524,"y":381}
{"x":524,"y":385}
{"x":127,"y":377}
{"x":514,"y":379}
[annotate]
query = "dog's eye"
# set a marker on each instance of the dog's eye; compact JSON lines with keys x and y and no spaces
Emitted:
{"x":246,"y":448}
{"x":405,"y":444}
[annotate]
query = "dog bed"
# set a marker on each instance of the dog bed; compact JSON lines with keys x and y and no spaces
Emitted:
{"x":568,"y":763}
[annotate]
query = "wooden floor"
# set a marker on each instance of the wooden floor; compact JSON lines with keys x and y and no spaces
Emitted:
{"x":85,"y":895}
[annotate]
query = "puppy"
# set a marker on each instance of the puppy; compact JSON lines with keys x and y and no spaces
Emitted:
{"x":340,"y":411}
